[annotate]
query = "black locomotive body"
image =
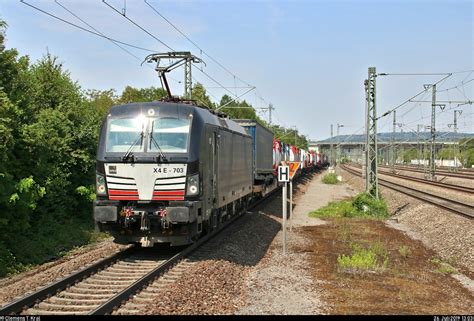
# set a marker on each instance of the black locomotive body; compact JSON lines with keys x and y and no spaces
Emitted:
{"x":168,"y":172}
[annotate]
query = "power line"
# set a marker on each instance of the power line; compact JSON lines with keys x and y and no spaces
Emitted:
{"x":195,"y":44}
{"x":457,"y":86}
{"x":72,"y":13}
{"x":136,"y":24}
{"x":205,"y":53}
{"x":98,"y":33}
{"x":410,"y":99}
{"x":424,"y":74}
{"x":414,"y":74}
{"x":84,"y":29}
{"x":157,"y":39}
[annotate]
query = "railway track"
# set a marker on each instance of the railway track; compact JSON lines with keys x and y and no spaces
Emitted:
{"x":457,"y":207}
{"x":108,"y":284}
{"x":453,"y":187}
{"x":465,"y":175}
{"x":445,"y":169}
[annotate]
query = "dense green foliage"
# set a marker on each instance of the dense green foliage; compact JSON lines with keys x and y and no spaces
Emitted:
{"x":362,"y":205}
{"x":49,"y":129}
{"x":464,"y":152}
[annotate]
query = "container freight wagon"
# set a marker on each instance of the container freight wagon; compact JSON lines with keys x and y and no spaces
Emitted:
{"x":262,"y":141}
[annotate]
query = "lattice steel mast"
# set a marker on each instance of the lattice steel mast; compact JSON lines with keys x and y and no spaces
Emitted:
{"x":371,"y":181}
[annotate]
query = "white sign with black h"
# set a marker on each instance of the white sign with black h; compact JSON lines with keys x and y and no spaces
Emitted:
{"x":283,"y":174}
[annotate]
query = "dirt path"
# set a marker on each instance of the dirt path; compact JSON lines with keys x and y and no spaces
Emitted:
{"x":284,"y":284}
{"x":317,"y":195}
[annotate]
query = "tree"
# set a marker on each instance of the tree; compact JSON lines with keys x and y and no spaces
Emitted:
{"x":135,"y":95}
{"x":200,"y":96}
{"x":237,"y":110}
{"x":48,"y":140}
{"x":101,"y":100}
{"x":466,"y":147}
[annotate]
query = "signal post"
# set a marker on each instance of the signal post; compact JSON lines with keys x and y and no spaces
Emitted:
{"x":285,"y":175}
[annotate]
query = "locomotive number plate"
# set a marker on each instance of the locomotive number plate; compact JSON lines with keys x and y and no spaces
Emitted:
{"x":169,"y":170}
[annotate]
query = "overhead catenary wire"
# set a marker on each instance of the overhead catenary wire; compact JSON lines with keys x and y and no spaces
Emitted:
{"x":117,"y":42}
{"x":166,"y":45}
{"x":96,"y":30}
{"x":410,"y":99}
{"x":424,"y":73}
{"x":195,"y":44}
{"x":84,"y":29}
{"x":154,"y":9}
{"x":136,"y":24}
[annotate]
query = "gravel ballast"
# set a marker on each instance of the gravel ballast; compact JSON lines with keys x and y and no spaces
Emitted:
{"x":19,"y":285}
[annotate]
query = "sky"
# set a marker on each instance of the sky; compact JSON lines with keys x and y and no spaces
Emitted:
{"x":308,"y":58}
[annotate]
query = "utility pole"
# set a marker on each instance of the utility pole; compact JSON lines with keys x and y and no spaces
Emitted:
{"x":338,"y":155}
{"x":371,"y":180}
{"x":295,"y":133}
{"x":392,"y":147}
{"x":188,"y":81}
{"x":418,"y":142}
{"x":270,"y":108}
{"x":433,"y":133}
{"x":456,"y":148}
{"x":331,"y":152}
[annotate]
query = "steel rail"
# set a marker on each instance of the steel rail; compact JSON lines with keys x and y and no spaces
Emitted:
{"x":116,"y":301}
{"x":429,"y":182}
{"x":434,"y":183}
{"x":43,"y":293}
{"x":466,"y":175}
{"x":457,"y":207}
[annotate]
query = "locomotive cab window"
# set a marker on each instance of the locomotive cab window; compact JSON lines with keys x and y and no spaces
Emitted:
{"x":171,"y":134}
{"x":125,"y":133}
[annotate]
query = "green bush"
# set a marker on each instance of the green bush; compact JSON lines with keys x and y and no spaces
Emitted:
{"x":330,"y":178}
{"x":369,"y":205}
{"x":363,"y":205}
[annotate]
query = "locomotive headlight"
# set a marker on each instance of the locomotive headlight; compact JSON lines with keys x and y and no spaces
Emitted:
{"x":192,"y":185}
{"x":100,"y":184}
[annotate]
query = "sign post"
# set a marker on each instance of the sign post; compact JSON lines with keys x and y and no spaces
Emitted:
{"x":291,"y":206}
{"x":293,"y":168}
{"x":284,"y":176}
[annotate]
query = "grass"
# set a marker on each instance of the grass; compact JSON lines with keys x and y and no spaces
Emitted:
{"x":443,"y":267}
{"x":344,"y":233}
{"x":334,"y":209}
{"x":330,"y":178}
{"x":373,"y":258}
{"x":362,"y":205}
{"x":45,"y":249}
{"x":404,"y":251}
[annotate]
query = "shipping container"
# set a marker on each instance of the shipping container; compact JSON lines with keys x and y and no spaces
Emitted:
{"x":262,"y":140}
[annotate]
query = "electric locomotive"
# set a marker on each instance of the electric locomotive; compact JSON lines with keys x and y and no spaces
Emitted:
{"x":168,"y":172}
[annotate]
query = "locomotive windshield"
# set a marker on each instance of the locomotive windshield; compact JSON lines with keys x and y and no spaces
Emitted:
{"x":171,"y":135}
{"x":123,"y":133}
{"x":167,"y":135}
